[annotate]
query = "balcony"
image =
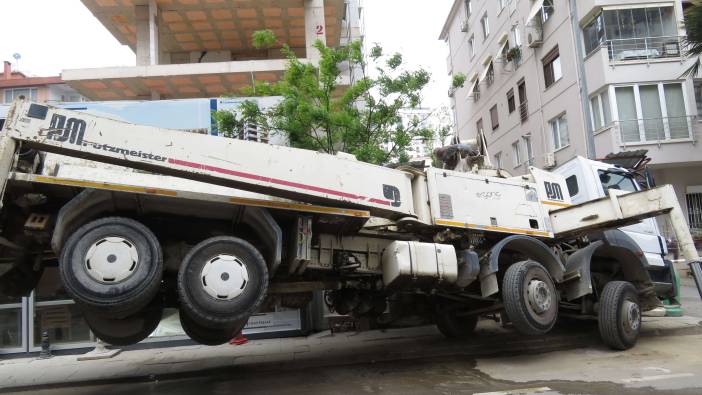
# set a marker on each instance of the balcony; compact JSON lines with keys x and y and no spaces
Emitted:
{"x":524,"y":111}
{"x":644,"y":48}
{"x":671,"y":140}
{"x":655,"y":130}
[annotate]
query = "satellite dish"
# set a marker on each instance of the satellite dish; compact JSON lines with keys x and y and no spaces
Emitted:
{"x":16,"y":56}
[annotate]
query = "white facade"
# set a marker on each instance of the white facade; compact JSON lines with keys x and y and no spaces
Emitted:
{"x":593,"y":77}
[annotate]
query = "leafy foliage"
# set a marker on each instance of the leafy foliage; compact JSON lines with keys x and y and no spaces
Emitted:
{"x":263,"y":39}
{"x":693,"y":42}
{"x":459,"y":79}
{"x":320,"y":112}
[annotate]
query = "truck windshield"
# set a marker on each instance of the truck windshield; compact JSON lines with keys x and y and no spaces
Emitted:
{"x":620,"y":181}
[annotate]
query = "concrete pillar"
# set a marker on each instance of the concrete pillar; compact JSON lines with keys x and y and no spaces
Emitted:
{"x":315,"y":26}
{"x":147,"y":49}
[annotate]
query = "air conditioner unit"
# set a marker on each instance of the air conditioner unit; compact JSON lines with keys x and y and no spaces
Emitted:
{"x":549,"y":160}
{"x":465,"y":26}
{"x":534,"y":35}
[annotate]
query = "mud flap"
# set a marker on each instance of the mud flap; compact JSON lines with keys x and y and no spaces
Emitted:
{"x":696,"y":269}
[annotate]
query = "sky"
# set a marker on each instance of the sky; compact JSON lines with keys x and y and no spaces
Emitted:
{"x":52,"y":35}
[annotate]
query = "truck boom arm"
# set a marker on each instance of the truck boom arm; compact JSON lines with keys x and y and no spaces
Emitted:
{"x":274,"y":170}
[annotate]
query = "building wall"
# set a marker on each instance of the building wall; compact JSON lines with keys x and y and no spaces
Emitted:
{"x":543,"y":103}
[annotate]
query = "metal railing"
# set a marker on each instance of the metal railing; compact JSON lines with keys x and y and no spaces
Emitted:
{"x":656,"y":130}
{"x":644,"y":48}
{"x":524,"y":110}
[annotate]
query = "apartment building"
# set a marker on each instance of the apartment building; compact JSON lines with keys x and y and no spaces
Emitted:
{"x":551,"y":79}
{"x":14,"y":84}
{"x":203,"y":48}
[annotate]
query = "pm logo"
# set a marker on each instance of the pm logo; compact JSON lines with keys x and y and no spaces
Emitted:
{"x":63,"y":129}
{"x":553,"y":191}
{"x":392,"y":193}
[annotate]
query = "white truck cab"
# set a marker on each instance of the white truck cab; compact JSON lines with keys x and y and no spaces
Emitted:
{"x":589,"y":180}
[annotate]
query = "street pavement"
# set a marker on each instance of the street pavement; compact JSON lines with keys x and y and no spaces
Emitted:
{"x":402,"y":361}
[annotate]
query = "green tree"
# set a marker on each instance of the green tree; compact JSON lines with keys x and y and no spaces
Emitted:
{"x":319,"y":112}
{"x":693,"y":41}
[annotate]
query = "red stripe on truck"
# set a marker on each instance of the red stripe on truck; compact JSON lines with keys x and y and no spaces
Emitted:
{"x":275,"y":181}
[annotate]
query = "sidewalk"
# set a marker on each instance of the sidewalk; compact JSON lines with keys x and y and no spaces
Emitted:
{"x":321,"y":349}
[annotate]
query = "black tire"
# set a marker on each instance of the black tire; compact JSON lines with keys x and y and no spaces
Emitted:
{"x":528,"y":316}
{"x":226,"y":311}
{"x":129,"y":330}
{"x":208,"y":336}
{"x":120,"y":298}
{"x":619,"y":318}
{"x":451,"y":325}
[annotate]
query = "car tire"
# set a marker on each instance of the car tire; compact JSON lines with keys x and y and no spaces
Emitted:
{"x":619,"y":316}
{"x":222,"y":281}
{"x":112,"y":266}
{"x":530,"y":298}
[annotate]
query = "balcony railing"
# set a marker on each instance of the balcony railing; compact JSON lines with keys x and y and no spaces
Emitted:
{"x":524,"y":111}
{"x":656,"y":130}
{"x":644,"y":48}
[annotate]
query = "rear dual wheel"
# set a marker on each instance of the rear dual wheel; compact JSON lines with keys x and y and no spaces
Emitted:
{"x":206,"y":335}
{"x":221,"y":283}
{"x":112,"y":266}
{"x":128,"y":330}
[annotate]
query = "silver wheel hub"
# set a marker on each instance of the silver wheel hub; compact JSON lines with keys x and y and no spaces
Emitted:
{"x":632,"y":315}
{"x":539,"y":296}
{"x":111,"y":260}
{"x":224,"y":277}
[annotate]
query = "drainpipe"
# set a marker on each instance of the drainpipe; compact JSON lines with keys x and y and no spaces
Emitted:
{"x":582,"y":78}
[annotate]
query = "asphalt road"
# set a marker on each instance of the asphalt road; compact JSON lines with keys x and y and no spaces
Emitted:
{"x":668,"y":363}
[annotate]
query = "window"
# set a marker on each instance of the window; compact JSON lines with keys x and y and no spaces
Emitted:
{"x":490,"y":74}
{"x":516,"y":36}
{"x":559,"y":132}
{"x":547,"y":10}
{"x":479,"y":127}
{"x":634,"y":33}
{"x":523,"y":106}
{"x":471,"y":46}
{"x":14,"y":93}
{"x":552,"y":67}
{"x":693,"y":199}
{"x":469,"y":8}
{"x":652,"y":112}
{"x":476,"y":90}
{"x":599,"y":108}
{"x":485,"y":24}
{"x":698,"y":97}
{"x":528,"y":149}
{"x":572,"y":185}
{"x":494,"y":118}
{"x":511,"y":106}
{"x":621,"y":182}
{"x":498,"y":160}
{"x":517,"y":154}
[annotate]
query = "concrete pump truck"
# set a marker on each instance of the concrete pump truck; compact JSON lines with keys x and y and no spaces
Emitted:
{"x":271,"y":224}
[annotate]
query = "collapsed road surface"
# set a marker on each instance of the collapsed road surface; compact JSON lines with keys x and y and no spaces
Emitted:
{"x":405,"y":361}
